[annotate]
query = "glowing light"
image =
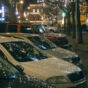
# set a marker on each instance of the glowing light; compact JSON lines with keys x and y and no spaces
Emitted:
{"x":3,"y":11}
{"x":17,"y":12}
{"x":19,"y":21}
{"x":0,"y":11}
{"x":25,"y":14}
{"x":63,"y":14}
{"x":28,"y":8}
{"x":26,"y":19}
{"x":21,"y":2}
{"x":42,"y":18}
{"x":18,"y":17}
{"x":63,"y":21}
{"x":2,"y":19}
{"x":87,"y":21}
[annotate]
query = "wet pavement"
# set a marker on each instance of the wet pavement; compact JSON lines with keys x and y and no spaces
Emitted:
{"x":82,"y":51}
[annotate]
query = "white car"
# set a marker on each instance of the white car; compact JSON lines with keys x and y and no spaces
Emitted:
{"x":13,"y":77}
{"x":49,"y":47}
{"x":55,"y":71}
{"x":52,"y":29}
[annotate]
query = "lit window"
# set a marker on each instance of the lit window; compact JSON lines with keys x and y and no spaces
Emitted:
{"x":38,"y":10}
{"x":33,"y":10}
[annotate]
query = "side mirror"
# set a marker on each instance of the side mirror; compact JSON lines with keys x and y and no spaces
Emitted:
{"x":20,"y":68}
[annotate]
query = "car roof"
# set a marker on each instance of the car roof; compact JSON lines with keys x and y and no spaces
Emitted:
{"x":26,"y":34}
{"x":8,"y":39}
{"x":21,"y":34}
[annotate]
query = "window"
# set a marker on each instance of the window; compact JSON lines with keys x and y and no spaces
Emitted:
{"x":42,"y":42}
{"x":26,"y":29}
{"x":12,"y":28}
{"x":37,"y":10}
{"x":33,"y":10}
{"x":23,"y":51}
{"x":39,"y":29}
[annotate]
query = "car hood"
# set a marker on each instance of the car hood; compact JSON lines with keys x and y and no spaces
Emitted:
{"x":23,"y":81}
{"x":61,"y":53}
{"x":54,"y":35}
{"x":50,"y":67}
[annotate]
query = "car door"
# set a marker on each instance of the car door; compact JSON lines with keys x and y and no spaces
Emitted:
{"x":6,"y":72}
{"x":8,"y":55}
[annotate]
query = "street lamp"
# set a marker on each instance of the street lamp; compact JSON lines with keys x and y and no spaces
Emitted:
{"x":87,"y":14}
{"x":63,"y":20}
{"x":63,"y":14}
{"x":21,"y":2}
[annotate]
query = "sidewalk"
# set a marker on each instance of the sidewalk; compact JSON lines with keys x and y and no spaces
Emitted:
{"x":82,"y":51}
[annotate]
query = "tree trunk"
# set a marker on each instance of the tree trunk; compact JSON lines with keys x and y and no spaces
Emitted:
{"x":78,"y":26}
{"x":73,"y":22}
{"x":65,"y":25}
{"x":68,"y":24}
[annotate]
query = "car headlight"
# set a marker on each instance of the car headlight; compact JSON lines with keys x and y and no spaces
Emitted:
{"x":68,"y":59}
{"x":57,"y":80}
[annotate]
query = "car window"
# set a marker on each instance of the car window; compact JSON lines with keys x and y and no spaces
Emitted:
{"x":26,"y":29}
{"x":23,"y":51}
{"x":6,"y":69}
{"x":12,"y":28}
{"x":42,"y":42}
{"x":39,"y":29}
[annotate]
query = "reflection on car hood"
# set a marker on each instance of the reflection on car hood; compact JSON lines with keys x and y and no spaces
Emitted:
{"x":44,"y":69}
{"x":61,"y":53}
{"x":54,"y":34}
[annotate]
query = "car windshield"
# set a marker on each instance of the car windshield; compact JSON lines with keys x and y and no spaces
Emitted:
{"x":23,"y":51}
{"x":42,"y":42}
{"x":6,"y":69}
{"x":39,"y":29}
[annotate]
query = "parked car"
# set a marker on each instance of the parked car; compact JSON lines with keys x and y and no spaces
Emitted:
{"x":58,"y":38}
{"x":49,"y":47}
{"x":60,"y":73}
{"x":13,"y":77}
{"x":52,"y":29}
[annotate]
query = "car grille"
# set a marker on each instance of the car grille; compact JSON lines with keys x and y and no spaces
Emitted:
{"x":63,"y":40}
{"x":76,"y":60}
{"x":83,"y":85}
{"x":60,"y":42}
{"x":76,"y":76}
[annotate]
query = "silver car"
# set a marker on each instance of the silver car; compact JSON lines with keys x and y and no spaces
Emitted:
{"x":60,"y":73}
{"x":49,"y":47}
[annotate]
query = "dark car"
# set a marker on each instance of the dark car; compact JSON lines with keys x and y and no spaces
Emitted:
{"x":59,"y":39}
{"x":11,"y":77}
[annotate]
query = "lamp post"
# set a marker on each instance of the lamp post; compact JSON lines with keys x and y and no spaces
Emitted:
{"x":78,"y":25}
{"x":87,"y":15}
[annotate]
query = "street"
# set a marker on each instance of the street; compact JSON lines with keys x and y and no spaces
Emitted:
{"x":82,"y":51}
{"x":85,"y":33}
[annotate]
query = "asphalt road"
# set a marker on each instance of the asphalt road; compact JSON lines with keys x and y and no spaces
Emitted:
{"x":82,"y":51}
{"x":85,"y":33}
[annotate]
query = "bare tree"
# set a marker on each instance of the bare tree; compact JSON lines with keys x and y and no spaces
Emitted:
{"x":73,"y":21}
{"x":78,"y":25}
